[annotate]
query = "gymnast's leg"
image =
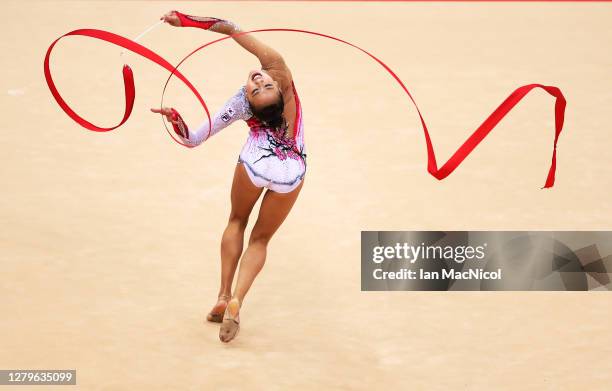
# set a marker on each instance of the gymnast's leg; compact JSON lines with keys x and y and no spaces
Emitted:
{"x":274,"y":209}
{"x":244,"y":195}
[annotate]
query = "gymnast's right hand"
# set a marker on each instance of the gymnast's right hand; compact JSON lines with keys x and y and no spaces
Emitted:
{"x":165,"y":111}
{"x":171,"y":18}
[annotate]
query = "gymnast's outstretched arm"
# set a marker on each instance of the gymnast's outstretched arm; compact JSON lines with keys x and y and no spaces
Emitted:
{"x":235,"y":108}
{"x":269,"y":58}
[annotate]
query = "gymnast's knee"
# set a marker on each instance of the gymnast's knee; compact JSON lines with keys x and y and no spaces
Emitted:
{"x":238,"y":220}
{"x":259,"y":238}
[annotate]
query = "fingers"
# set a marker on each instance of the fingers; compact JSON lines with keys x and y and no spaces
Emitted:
{"x":171,"y":18}
{"x":166,"y":112}
{"x":163,"y":110}
{"x":168,"y":16}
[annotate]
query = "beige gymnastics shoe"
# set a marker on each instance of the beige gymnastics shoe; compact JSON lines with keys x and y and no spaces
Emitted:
{"x":216,"y":314}
{"x":231,"y":321}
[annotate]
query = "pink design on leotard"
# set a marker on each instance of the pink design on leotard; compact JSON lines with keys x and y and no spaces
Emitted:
{"x":282,"y":146}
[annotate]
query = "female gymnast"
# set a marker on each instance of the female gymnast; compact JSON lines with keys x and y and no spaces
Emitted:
{"x":272,"y":157}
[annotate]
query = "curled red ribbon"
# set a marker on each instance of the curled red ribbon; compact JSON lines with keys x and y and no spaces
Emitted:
{"x":440,"y":173}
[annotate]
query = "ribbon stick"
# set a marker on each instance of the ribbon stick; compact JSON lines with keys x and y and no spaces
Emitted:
{"x":139,"y":36}
{"x":439,"y":173}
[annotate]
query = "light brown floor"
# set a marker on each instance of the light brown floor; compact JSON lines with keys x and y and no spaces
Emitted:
{"x":110,"y":241}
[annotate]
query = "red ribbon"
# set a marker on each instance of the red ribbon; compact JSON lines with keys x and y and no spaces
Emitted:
{"x":128,"y":76}
{"x":440,"y":173}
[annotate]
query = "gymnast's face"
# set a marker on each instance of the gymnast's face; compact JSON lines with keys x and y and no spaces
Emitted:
{"x":261,"y":89}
